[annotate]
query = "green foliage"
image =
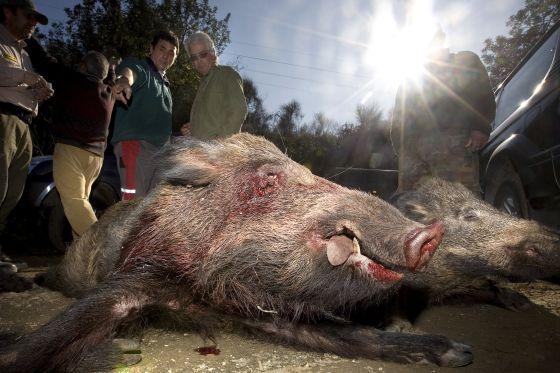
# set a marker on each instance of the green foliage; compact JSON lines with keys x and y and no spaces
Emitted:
{"x":258,"y":120}
{"x":526,"y":27}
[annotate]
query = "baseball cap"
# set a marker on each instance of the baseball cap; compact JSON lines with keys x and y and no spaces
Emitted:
{"x":28,"y":5}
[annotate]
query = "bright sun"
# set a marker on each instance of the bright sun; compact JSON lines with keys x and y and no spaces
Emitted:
{"x":399,"y":52}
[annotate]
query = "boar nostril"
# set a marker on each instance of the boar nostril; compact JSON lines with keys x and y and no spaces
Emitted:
{"x":421,"y":245}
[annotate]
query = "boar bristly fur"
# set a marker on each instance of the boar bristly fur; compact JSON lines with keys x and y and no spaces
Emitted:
{"x":481,"y":247}
{"x":237,"y":227}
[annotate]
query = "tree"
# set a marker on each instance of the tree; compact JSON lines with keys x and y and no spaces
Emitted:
{"x":289,"y":117}
{"x":526,"y":27}
{"x":258,"y":120}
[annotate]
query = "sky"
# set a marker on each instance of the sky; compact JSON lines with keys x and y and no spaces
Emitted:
{"x":333,"y":55}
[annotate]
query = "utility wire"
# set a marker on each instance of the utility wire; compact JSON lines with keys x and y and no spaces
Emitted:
{"x":285,"y":87}
{"x":281,"y":49}
{"x":299,"y":78}
{"x":296,"y":65}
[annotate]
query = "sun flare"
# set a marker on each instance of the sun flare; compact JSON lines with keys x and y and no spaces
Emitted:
{"x":399,"y":52}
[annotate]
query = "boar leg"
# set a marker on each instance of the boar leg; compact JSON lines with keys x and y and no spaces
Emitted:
{"x":491,"y":293}
{"x":82,"y":334}
{"x":362,"y":341}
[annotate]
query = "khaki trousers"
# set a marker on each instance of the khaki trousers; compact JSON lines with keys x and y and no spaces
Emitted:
{"x":74,"y":172}
{"x":16,"y":151}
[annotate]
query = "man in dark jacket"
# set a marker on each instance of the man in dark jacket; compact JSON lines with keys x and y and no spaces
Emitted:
{"x":440,"y":123}
{"x":82,"y":108}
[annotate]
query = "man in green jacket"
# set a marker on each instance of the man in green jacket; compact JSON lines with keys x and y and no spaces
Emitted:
{"x":219,"y":108}
{"x":144,"y":126}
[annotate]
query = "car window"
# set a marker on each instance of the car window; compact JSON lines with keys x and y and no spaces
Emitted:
{"x":523,"y":84}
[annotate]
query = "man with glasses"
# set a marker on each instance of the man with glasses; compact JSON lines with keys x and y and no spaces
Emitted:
{"x":219,"y":108}
{"x":144,"y":126}
{"x":21,"y":90}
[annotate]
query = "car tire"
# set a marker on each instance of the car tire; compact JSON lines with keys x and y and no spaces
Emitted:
{"x":101,"y":198}
{"x":504,"y":191}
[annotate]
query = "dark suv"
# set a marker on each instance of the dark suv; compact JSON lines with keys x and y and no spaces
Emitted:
{"x":520,"y":165}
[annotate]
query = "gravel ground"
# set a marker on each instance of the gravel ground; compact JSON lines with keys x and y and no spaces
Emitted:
{"x":502,"y":340}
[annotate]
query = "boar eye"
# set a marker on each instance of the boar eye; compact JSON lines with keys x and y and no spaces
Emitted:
{"x":469,"y":215}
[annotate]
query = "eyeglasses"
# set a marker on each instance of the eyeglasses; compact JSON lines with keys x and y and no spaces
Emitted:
{"x":199,"y":55}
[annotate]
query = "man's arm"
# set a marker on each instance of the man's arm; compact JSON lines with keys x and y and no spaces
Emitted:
{"x":14,"y":76}
{"x":234,"y":108}
{"x":479,"y":95}
{"x":126,"y":74}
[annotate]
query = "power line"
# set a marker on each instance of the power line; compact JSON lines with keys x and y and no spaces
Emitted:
{"x":281,"y":49}
{"x":285,"y":87}
{"x":302,"y":66}
{"x":298,"y":78}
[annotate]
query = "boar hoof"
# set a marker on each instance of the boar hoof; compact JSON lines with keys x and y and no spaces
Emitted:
{"x":457,"y":356}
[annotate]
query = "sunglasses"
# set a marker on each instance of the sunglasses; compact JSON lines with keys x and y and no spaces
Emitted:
{"x":198,"y":56}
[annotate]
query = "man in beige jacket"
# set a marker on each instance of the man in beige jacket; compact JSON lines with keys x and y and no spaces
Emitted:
{"x":21,"y":90}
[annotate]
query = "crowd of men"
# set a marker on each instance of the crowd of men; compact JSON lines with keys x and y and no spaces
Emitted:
{"x":83,"y":101}
{"x":438,"y":125}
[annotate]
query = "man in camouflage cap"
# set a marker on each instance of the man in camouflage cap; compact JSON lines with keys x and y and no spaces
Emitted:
{"x":440,"y":123}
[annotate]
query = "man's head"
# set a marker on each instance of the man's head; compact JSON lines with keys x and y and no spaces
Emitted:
{"x":20,"y":17}
{"x":95,"y":64}
{"x":164,"y":50}
{"x":201,"y":51}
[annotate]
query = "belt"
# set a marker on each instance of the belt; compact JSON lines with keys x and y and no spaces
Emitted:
{"x":21,"y":113}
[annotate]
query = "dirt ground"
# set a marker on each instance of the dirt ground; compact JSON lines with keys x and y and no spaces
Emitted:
{"x":502,"y":340}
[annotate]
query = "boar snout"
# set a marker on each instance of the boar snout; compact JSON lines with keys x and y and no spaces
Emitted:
{"x":421,"y":244}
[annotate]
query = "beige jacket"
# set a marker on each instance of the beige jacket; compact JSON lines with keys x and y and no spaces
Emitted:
{"x":14,"y":61}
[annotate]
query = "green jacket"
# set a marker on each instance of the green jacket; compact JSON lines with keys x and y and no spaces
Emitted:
{"x":219,"y":108}
{"x":148,"y":116}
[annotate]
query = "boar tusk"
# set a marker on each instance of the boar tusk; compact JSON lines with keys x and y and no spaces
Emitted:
{"x":356,"y":246}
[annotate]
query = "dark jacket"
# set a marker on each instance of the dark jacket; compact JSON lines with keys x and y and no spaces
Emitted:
{"x":81,"y":105}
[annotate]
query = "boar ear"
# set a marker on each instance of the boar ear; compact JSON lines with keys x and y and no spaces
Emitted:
{"x":186,"y":162}
{"x":410,"y":204}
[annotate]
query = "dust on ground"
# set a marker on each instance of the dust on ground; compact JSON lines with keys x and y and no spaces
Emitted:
{"x":502,"y":340}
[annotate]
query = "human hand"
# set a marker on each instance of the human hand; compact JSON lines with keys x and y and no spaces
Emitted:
{"x":32,"y":78}
{"x":476,"y":141}
{"x":37,"y":83}
{"x":42,"y":91}
{"x":121,"y":89}
{"x":114,"y":62}
{"x":186,"y":129}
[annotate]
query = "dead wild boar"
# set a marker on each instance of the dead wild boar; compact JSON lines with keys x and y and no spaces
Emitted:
{"x":235,"y":226}
{"x":481,"y":246}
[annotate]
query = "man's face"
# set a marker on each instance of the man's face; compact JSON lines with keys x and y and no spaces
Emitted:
{"x":20,"y":24}
{"x":163,"y":54}
{"x":201,"y":58}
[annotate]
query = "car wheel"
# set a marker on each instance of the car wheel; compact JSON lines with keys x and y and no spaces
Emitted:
{"x":505,"y":191}
{"x":101,"y":198}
